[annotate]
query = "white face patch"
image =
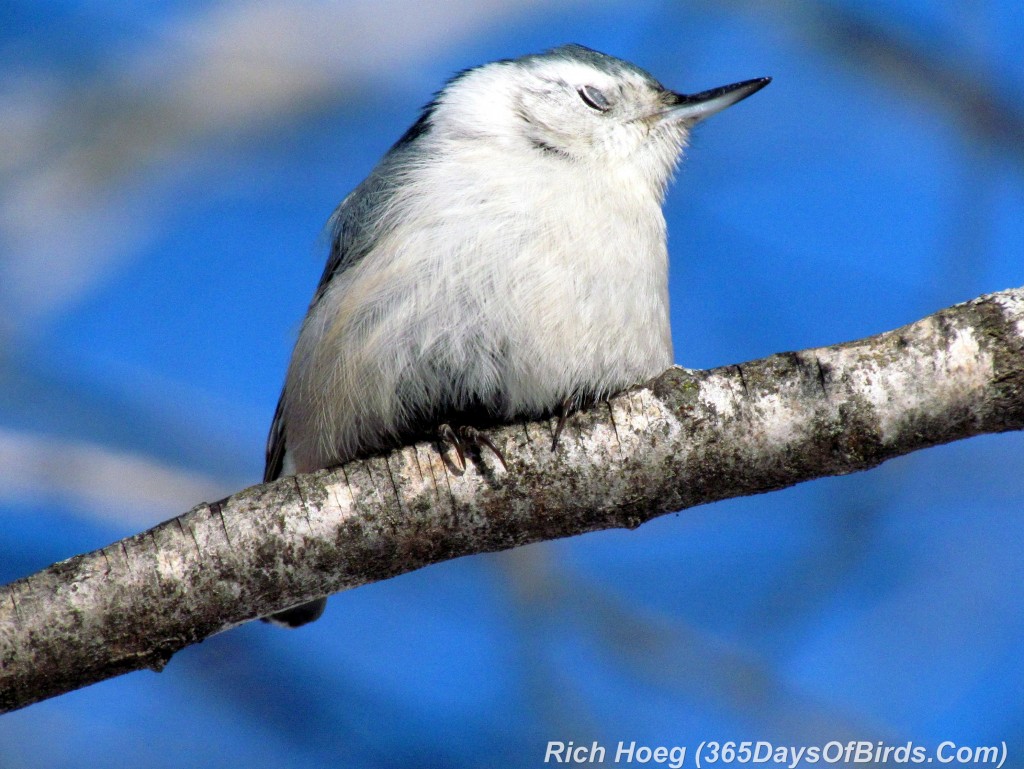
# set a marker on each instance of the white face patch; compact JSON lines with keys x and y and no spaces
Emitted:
{"x":597,"y":117}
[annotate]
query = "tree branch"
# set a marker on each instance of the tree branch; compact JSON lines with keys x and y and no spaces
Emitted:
{"x":686,"y":438}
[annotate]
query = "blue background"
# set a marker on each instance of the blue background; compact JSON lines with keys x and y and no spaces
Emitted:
{"x":164,"y":172}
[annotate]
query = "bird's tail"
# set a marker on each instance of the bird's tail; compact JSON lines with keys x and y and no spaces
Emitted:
{"x":298,"y":615}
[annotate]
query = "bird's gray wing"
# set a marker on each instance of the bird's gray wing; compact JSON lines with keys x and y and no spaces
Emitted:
{"x":353,"y":229}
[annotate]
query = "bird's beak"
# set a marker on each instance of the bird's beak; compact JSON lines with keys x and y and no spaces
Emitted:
{"x":692,"y":108}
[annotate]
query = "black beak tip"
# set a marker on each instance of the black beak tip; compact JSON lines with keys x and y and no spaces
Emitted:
{"x":749,"y":87}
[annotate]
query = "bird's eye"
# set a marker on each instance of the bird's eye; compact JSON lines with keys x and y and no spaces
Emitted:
{"x":594,"y":99}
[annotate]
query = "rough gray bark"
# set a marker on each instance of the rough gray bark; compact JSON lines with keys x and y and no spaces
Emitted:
{"x":686,"y":438}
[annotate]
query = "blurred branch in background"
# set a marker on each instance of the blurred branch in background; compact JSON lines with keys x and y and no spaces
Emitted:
{"x":111,"y":483}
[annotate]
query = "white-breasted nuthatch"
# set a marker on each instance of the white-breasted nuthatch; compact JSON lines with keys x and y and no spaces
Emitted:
{"x":505,"y":258}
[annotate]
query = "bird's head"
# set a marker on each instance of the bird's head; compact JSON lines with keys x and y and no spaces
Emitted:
{"x":576,"y":105}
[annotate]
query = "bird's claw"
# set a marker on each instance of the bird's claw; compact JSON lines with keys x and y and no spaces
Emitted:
{"x":446,"y":434}
{"x":477,"y":438}
{"x":564,"y":410}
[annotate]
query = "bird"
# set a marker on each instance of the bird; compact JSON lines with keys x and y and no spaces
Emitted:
{"x":505,"y":259}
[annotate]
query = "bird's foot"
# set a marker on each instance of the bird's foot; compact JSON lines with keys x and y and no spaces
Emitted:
{"x":463,"y":437}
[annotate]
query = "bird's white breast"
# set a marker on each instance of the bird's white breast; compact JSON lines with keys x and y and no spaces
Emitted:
{"x":518,"y":281}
